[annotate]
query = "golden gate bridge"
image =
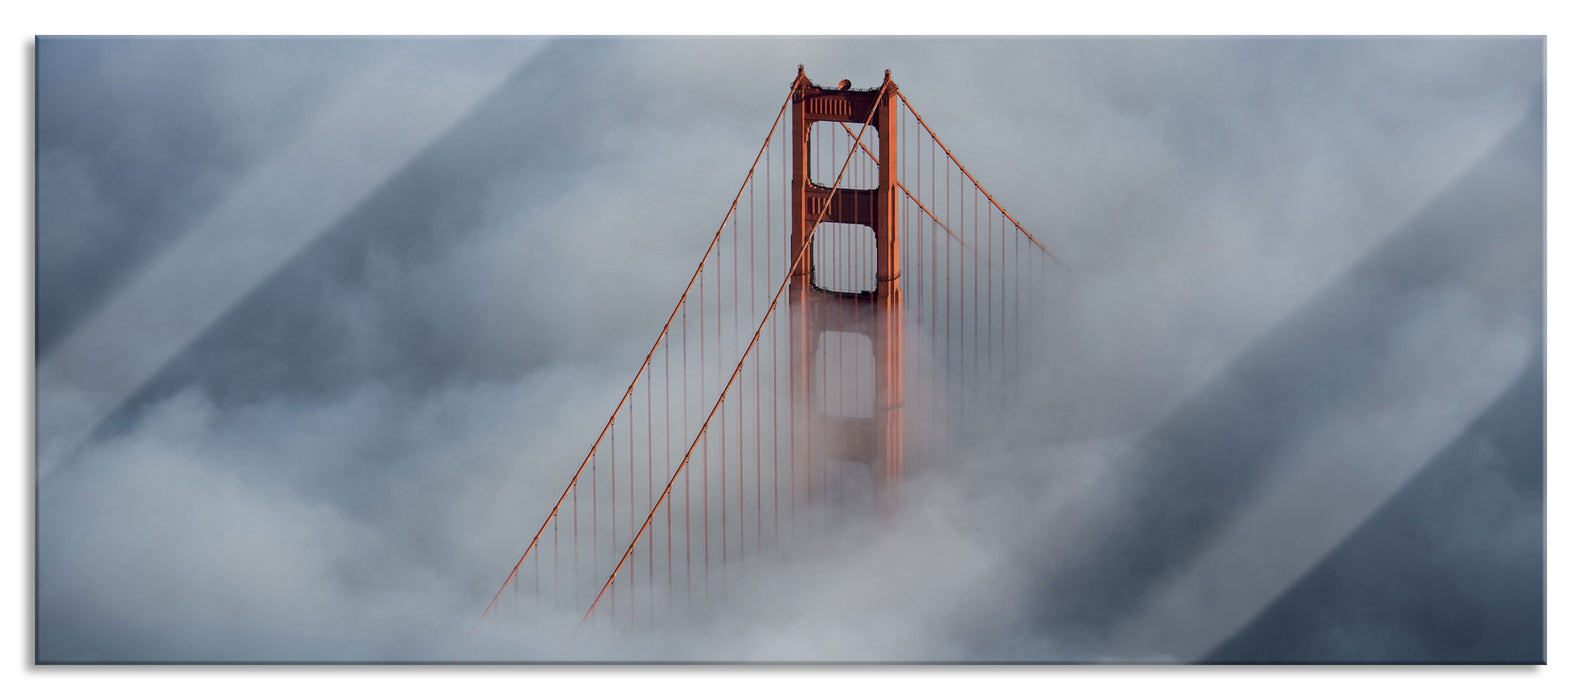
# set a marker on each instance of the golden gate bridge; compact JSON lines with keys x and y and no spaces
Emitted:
{"x":862,"y":306}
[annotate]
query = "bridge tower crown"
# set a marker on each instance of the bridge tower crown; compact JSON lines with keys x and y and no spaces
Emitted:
{"x":866,"y":436}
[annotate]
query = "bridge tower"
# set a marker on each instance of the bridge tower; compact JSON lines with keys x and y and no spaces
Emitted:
{"x":870,"y":436}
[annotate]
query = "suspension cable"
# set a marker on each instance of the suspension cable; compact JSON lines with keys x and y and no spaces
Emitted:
{"x":824,"y":211}
{"x":985,"y":192}
{"x":920,"y":204}
{"x":640,"y":370}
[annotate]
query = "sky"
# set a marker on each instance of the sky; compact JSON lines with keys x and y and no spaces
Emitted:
{"x":323,"y":326}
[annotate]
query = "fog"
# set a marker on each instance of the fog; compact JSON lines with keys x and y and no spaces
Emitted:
{"x":325,"y":325}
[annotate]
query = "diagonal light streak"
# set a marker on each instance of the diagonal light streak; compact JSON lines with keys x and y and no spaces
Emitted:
{"x":1460,"y":344}
{"x":359,"y":142}
{"x":1329,"y":486}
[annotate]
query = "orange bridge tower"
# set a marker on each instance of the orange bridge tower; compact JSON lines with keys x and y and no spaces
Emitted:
{"x":845,"y":286}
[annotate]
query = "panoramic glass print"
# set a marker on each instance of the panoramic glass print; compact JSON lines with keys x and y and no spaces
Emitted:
{"x":1163,"y":350}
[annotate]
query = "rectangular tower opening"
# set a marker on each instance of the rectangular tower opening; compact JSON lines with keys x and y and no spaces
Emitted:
{"x":843,"y":374}
{"x":828,"y":144}
{"x":845,"y":258}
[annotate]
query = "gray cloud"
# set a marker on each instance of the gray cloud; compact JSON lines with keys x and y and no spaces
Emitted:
{"x":344,"y":464}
